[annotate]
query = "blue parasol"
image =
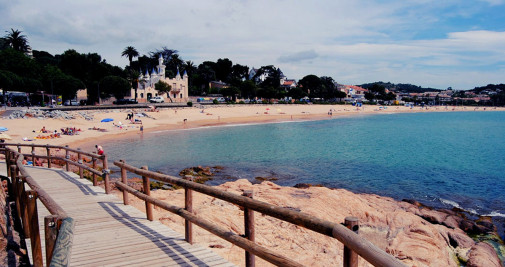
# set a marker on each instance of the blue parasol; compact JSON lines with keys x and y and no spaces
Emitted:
{"x":3,"y":129}
{"x":107,"y":120}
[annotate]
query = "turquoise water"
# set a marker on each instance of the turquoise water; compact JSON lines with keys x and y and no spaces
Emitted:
{"x":440,"y":159}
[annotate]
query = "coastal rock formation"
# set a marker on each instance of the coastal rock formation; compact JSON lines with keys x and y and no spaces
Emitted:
{"x":396,"y":227}
{"x":483,"y":254}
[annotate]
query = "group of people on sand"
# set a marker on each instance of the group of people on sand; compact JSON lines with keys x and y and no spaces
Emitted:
{"x":70,"y":131}
{"x":54,"y":134}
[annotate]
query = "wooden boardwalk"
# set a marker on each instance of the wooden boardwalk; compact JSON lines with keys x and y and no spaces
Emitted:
{"x":108,"y":233}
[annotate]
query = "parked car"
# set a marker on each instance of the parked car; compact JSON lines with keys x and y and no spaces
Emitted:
{"x":157,"y":99}
{"x":71,"y":103}
{"x":125,"y":101}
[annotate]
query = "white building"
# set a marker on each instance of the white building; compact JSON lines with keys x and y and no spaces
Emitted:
{"x":146,"y":82}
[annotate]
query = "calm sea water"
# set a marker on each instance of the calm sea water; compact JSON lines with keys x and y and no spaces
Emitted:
{"x":440,"y":159}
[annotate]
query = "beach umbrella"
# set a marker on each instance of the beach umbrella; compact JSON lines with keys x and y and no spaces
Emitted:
{"x":4,"y":136}
{"x":107,"y":120}
{"x":3,"y":129}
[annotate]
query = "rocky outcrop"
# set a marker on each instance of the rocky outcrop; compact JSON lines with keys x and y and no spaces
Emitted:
{"x":409,"y":232}
{"x":483,"y":254}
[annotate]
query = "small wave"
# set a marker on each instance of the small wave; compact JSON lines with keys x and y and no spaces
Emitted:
{"x":495,"y":214}
{"x":450,"y":203}
{"x":456,"y":205}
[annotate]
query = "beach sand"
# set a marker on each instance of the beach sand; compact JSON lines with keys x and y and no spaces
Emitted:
{"x":180,"y":118}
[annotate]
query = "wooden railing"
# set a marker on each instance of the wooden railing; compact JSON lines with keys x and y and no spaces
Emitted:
{"x":354,"y":244}
{"x":58,"y":227}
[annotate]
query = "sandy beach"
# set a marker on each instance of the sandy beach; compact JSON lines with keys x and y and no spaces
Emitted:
{"x":27,"y":130}
{"x":403,"y":229}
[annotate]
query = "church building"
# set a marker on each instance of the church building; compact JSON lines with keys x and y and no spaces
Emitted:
{"x":146,"y":82}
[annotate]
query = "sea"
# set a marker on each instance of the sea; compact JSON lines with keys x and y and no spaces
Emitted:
{"x":441,"y":159}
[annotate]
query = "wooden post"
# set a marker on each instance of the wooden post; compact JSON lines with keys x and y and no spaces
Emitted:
{"x":33,"y":157}
{"x":23,"y":206}
{"x":105,"y":173}
{"x":51,"y":226}
{"x":67,"y":156}
{"x":95,"y":182}
{"x":351,"y":257}
{"x":124,"y":180}
{"x":49,"y":155}
{"x":79,"y":160}
{"x":147,"y":191}
{"x":249,"y":229}
{"x":31,"y":200}
{"x":17,"y":194}
{"x":8,"y":162}
{"x":188,"y":205}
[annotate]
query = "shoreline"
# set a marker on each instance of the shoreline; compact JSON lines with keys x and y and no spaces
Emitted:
{"x":249,"y":119}
{"x":188,"y":118}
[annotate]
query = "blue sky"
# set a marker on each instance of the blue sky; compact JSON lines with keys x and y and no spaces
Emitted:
{"x":431,"y":43}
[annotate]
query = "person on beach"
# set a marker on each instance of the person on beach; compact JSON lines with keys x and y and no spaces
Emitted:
{"x":99,"y":150}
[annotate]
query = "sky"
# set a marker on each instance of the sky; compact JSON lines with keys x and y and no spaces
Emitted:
{"x":430,"y":43}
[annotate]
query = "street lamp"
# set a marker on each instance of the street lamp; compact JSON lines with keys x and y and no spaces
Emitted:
{"x":42,"y":104}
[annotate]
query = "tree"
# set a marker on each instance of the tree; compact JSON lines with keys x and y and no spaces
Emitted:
{"x":173,"y":65}
{"x":206,"y":74}
{"x":223,"y":69}
{"x":248,"y":89}
{"x":114,"y":86}
{"x":163,"y":87}
{"x":3,"y":44}
{"x":231,"y":91}
{"x":164,"y":52}
{"x":130,"y":52}
{"x":297,"y":93}
{"x":239,"y":72}
{"x":312,"y":85}
{"x":17,"y":41}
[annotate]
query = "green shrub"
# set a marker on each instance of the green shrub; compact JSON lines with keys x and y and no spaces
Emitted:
{"x":241,"y":102}
{"x":215,"y":102}
{"x":190,"y":104}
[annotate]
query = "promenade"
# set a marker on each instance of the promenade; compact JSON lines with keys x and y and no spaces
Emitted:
{"x":108,"y":233}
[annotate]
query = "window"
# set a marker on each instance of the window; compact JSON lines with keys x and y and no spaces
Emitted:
{"x":181,"y":95}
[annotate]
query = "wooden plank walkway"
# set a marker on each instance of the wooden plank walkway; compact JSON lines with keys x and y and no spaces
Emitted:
{"x":108,"y":233}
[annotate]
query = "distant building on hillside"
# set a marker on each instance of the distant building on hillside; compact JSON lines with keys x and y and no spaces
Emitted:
{"x":218,"y":84}
{"x":146,"y":82}
{"x":354,"y":93}
{"x":288,"y":84}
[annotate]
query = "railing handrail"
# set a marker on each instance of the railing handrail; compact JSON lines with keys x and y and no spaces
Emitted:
{"x":89,"y":154}
{"x":44,"y":197}
{"x":58,"y":226}
{"x":358,"y":244}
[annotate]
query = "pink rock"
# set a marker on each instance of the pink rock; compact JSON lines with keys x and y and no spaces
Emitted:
{"x":483,"y":255}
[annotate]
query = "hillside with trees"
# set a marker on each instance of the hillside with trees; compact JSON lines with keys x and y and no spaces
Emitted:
{"x":400,"y":87}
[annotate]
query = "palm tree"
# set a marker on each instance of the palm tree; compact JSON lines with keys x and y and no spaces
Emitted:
{"x":130,"y":52}
{"x":17,"y":41}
